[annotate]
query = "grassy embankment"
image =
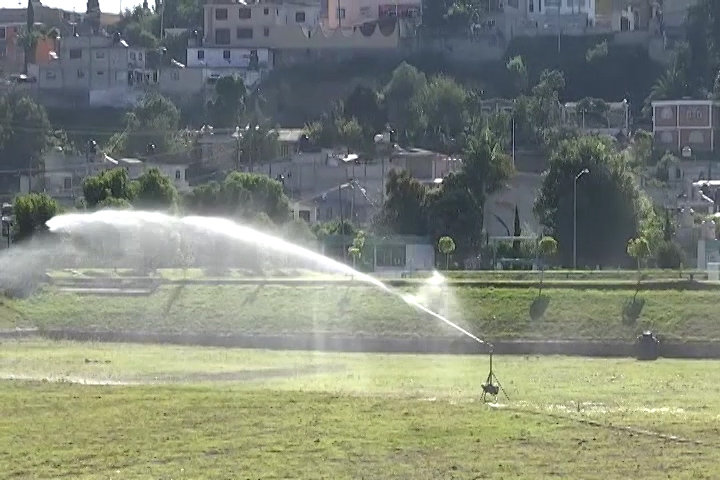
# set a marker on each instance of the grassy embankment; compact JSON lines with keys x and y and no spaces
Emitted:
{"x":585,"y":311}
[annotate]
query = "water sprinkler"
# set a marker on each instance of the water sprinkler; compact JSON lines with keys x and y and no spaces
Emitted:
{"x":492,"y":385}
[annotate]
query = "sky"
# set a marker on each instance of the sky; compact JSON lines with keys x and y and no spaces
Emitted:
{"x":110,"y":6}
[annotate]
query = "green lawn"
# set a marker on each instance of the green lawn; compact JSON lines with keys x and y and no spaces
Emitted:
{"x":493,"y":313}
{"x":372,"y":416}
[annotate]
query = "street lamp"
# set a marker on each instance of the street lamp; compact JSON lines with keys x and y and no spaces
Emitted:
{"x":577,"y":177}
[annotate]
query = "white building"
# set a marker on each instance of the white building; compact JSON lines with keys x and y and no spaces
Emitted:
{"x":230,"y":57}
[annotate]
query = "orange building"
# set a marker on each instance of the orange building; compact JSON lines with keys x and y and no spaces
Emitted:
{"x":12,"y":54}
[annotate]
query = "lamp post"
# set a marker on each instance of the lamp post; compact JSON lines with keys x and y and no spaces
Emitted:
{"x":577,"y":177}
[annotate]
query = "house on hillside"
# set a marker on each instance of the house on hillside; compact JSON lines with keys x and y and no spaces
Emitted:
{"x":348,"y":201}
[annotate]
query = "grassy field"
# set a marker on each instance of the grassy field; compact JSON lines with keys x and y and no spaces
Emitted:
{"x":358,"y":416}
{"x":493,"y":313}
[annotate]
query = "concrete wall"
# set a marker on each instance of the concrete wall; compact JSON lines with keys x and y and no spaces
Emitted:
{"x":521,"y":191}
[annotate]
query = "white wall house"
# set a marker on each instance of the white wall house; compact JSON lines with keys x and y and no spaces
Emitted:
{"x":218,"y":57}
{"x":176,"y":172}
{"x":547,"y":8}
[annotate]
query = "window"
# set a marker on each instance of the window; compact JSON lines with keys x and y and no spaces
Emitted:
{"x":99,"y":55}
{"x":132,"y":55}
{"x":81,"y":73}
{"x":266,"y":11}
{"x":75,"y":53}
{"x":2,"y":32}
{"x":67,"y":183}
{"x":304,"y":215}
{"x":222,"y":36}
{"x":139,"y":56}
{"x":694,"y":114}
{"x":201,"y":55}
{"x":666,"y":113}
{"x":177,"y":175}
{"x":365,"y":12}
{"x":696,"y":137}
{"x":552,"y":3}
{"x":175,"y":75}
{"x":245,"y":13}
{"x":341,"y":13}
{"x":667,"y":137}
{"x":391,"y":256}
{"x":221,"y":14}
{"x":299,"y":17}
{"x":226,"y":54}
{"x":50,"y":75}
{"x":266,"y":31}
{"x":244,"y":33}
{"x":99,"y":73}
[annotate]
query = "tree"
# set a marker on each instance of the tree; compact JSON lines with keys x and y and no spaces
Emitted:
{"x":446,"y":245}
{"x":241,"y":195}
{"x":611,"y":208}
{"x":639,"y":249}
{"x":518,"y":72}
{"x":150,"y":128}
{"x":25,"y":132}
{"x":355,"y":250}
{"x":547,"y":247}
{"x":228,"y":107}
{"x":29,"y":38}
{"x":517,"y":232}
{"x":404,"y":210}
{"x":155,"y":190}
{"x":405,"y":83}
{"x":32,"y":211}
{"x":364,"y":105}
{"x":114,"y":203}
{"x":109,"y":188}
{"x":439,"y":113}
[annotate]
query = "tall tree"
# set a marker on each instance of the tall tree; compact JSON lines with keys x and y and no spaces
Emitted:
{"x":611,"y":208}
{"x":153,"y":122}
{"x":241,"y":195}
{"x":227,"y":109}
{"x":25,"y":132}
{"x":516,"y":232}
{"x":154,"y":190}
{"x":32,"y":212}
{"x":404,"y":210}
{"x":108,"y":188}
{"x":405,"y":83}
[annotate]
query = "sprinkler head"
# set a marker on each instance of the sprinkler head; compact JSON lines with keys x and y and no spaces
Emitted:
{"x":491,"y":389}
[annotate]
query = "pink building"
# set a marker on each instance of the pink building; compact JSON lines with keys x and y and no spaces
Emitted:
{"x":349,"y":13}
{"x":678,"y":124}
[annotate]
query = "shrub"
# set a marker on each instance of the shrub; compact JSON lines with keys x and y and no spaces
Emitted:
{"x":669,"y":255}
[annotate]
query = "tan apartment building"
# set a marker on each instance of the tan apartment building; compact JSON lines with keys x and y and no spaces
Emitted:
{"x":349,"y":13}
{"x":286,"y":25}
{"x":686,"y":124}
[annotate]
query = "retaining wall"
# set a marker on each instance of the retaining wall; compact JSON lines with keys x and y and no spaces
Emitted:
{"x":418,"y":345}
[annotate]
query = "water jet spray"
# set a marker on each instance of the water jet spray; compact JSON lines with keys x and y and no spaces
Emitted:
{"x":142,"y":220}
